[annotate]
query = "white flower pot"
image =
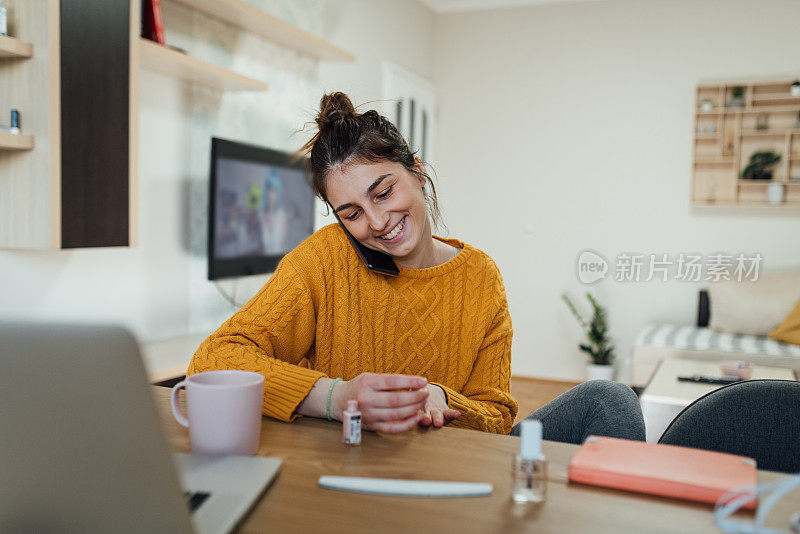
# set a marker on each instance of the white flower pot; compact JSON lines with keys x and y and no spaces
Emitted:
{"x":775,"y":193}
{"x":599,"y":372}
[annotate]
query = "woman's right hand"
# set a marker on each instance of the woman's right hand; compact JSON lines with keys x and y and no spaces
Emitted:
{"x":388,"y":403}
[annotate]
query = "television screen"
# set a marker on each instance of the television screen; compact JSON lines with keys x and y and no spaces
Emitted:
{"x":261,"y":207}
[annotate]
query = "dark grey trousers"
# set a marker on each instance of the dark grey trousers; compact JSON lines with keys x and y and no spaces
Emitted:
{"x":597,"y":407}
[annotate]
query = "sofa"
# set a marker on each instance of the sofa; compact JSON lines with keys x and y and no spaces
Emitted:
{"x":733,"y":320}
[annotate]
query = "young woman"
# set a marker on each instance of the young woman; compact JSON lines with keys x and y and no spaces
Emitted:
{"x":430,"y":346}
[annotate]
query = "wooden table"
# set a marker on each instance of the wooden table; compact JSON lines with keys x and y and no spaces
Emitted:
{"x":312,"y":447}
{"x":665,"y":396}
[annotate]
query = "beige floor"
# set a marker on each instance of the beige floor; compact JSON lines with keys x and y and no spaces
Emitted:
{"x":532,"y":393}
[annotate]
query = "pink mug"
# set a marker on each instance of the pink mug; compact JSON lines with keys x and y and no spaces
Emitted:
{"x":224,"y":411}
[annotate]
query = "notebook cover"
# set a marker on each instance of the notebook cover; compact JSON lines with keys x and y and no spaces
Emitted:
{"x":665,"y":470}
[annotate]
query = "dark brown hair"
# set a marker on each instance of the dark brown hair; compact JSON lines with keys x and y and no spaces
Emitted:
{"x":345,"y":136}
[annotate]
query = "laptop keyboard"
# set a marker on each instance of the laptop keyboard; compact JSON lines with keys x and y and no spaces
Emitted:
{"x":195,"y":498}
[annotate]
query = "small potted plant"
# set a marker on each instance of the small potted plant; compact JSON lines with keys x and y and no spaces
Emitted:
{"x":737,"y":97}
{"x":599,"y":346}
{"x":760,"y":165}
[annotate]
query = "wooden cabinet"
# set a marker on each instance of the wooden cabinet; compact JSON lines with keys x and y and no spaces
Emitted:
{"x":734,"y":120}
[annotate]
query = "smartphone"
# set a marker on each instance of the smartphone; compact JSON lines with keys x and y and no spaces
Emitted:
{"x":377,"y":261}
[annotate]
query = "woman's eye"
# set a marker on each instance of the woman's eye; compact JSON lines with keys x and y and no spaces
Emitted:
{"x":352,"y":216}
{"x":386,"y":193}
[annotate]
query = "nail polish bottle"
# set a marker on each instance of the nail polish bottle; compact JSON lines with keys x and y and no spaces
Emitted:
{"x":529,"y":470}
{"x":351,"y":424}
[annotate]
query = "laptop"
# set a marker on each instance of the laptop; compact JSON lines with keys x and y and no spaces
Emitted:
{"x":82,"y":448}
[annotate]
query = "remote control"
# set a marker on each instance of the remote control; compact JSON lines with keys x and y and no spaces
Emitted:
{"x":710,"y":379}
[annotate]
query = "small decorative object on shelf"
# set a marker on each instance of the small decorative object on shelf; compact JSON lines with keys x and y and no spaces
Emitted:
{"x":795,"y":88}
{"x":760,"y":165}
{"x":152,"y":21}
{"x":729,"y":146}
{"x":599,"y":348}
{"x":775,"y":193}
{"x":14,"y":128}
{"x":737,"y":97}
{"x":712,"y":190}
{"x":3,"y":18}
{"x":707,"y":105}
{"x":762,"y":122}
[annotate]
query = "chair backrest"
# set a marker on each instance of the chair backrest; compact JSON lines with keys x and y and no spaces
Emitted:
{"x":755,"y":418}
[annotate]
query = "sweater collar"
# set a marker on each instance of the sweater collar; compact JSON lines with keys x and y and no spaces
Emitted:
{"x":446,"y":267}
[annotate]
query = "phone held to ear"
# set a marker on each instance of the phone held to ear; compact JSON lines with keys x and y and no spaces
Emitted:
{"x":375,"y":260}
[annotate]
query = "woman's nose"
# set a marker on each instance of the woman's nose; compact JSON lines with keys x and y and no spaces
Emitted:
{"x":378,"y":219}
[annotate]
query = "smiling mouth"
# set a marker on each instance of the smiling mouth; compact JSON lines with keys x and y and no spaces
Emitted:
{"x":395,"y":231}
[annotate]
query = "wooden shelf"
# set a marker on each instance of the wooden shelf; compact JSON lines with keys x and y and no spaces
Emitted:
{"x":781,"y":98}
{"x":763,"y":133}
{"x":706,"y":204}
{"x":169,"y":62}
{"x":259,"y":22}
{"x":751,"y":110}
{"x":714,"y":161}
{"x":10,"y":47}
{"x":715,"y":173}
{"x":9,"y":141}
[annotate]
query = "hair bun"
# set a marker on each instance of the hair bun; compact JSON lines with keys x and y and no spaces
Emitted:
{"x":333,"y":107}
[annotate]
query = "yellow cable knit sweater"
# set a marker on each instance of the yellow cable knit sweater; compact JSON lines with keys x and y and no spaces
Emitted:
{"x":323,"y":313}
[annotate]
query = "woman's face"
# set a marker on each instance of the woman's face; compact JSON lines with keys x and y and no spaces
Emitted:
{"x":381,"y":204}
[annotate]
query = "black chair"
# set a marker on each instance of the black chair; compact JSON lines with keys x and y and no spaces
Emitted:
{"x":755,"y":418}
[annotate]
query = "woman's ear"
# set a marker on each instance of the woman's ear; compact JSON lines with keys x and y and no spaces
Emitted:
{"x":420,"y":169}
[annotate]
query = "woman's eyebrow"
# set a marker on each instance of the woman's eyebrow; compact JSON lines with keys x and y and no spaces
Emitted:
{"x":370,"y":189}
{"x":377,"y":182}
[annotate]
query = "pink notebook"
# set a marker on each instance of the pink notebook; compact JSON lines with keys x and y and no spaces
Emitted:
{"x":666,"y":470}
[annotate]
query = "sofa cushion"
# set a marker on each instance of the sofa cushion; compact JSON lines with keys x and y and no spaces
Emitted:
{"x":789,"y":330}
{"x":753,"y":308}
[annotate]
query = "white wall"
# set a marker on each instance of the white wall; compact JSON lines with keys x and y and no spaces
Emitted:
{"x":569,"y":126}
{"x":159,"y":289}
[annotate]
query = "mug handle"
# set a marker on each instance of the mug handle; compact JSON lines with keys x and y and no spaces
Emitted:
{"x":173,"y":398}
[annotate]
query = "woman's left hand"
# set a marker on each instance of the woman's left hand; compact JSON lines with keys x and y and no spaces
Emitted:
{"x":436,"y":412}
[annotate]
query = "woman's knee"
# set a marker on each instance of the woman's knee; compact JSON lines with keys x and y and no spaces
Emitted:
{"x":608,"y":390}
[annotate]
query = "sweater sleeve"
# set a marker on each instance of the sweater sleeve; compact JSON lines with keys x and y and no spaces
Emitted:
{"x":485,"y":402}
{"x":271,"y":335}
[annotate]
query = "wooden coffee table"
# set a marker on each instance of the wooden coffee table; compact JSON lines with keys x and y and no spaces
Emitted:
{"x":664,"y":396}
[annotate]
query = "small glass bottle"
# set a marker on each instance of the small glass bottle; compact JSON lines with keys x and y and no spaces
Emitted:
{"x":351,"y":424}
{"x":529,"y":470}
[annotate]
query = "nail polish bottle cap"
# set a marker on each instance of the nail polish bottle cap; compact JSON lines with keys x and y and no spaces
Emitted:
{"x":530,"y":447}
{"x":352,"y":405}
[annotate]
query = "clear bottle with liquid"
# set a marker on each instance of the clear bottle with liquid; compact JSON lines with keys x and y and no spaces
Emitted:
{"x":529,"y":468}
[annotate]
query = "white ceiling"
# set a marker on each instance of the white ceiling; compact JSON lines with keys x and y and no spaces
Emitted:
{"x":452,"y":6}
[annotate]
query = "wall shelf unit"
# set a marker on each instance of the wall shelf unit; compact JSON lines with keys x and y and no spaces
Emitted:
{"x":9,"y":141}
{"x":163,"y":60}
{"x":75,"y":187}
{"x":14,"y":48}
{"x":734,"y":120}
{"x":258,"y":22}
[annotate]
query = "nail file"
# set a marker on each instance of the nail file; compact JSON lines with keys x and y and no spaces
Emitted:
{"x":405,"y":488}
